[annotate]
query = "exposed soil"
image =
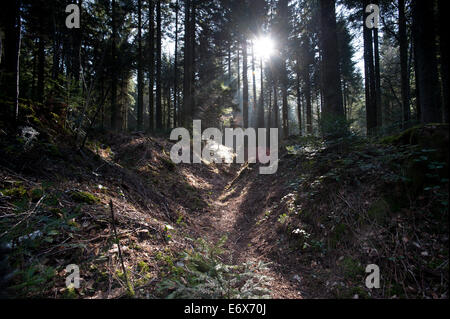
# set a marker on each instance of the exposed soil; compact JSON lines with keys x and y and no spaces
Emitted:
{"x":317,"y":234}
{"x":238,"y":202}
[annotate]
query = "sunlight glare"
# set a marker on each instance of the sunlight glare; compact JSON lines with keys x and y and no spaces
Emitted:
{"x":264,"y":47}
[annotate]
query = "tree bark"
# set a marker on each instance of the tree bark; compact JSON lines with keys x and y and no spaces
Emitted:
{"x":369,"y":70}
{"x":427,"y":70}
{"x":255,"y":103}
{"x":443,"y":43}
{"x":299,"y":104}
{"x":140,"y":75}
{"x":377,"y":77}
{"x":245,"y":83}
{"x":159,"y":114}
{"x":276,"y":110}
{"x":76,"y":42}
{"x":41,"y":64}
{"x":114,"y":110}
{"x":284,"y":91}
{"x":188,"y":69}
{"x":175,"y":84}
{"x":332,"y":96}
{"x":192,"y":29}
{"x":239,"y":78}
{"x":260,"y":116}
{"x":10,"y":65}
{"x":151,"y":69}
{"x":403,"y":42}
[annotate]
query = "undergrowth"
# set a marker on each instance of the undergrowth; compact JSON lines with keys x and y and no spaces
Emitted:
{"x":201,"y":274}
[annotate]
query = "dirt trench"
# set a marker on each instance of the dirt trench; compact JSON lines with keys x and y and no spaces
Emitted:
{"x":237,"y":201}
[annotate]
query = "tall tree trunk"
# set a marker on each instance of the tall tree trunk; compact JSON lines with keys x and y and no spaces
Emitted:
{"x":425,"y":53}
{"x":140,"y":75}
{"x":307,"y":92}
{"x":260,"y":116}
{"x":443,"y":41}
{"x":417,"y":92}
{"x":187,"y":69}
{"x":332,"y":96}
{"x":76,"y":42}
{"x":41,"y":65}
{"x":168,"y":108}
{"x":229,"y":65}
{"x":255,"y":103}
{"x":276,"y":110}
{"x":192,"y":30}
{"x":239,"y":78}
{"x":34,"y":76}
{"x":10,"y":75}
{"x":114,"y":109}
{"x":159,"y":115}
{"x":369,"y":70}
{"x":344,"y":96}
{"x":377,"y":77}
{"x":245,"y":83}
{"x":269,"y":115}
{"x":285,"y":110}
{"x":403,"y":39}
{"x":299,"y":104}
{"x":56,"y":47}
{"x":175,"y":84}
{"x":151,"y":68}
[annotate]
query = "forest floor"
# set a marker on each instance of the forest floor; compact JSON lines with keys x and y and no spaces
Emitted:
{"x":225,"y":231}
{"x":236,"y":206}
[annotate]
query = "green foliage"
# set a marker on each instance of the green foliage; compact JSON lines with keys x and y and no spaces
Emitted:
{"x":84,"y":197}
{"x":203,"y":275}
{"x":351,"y":268}
{"x":283,"y":219}
{"x":33,"y":279}
{"x":70,"y":293}
{"x":332,"y":127}
{"x":15,"y":192}
{"x":36,"y":194}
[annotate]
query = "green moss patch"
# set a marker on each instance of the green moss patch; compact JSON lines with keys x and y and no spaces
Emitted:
{"x":84,"y":197}
{"x":15,"y":192}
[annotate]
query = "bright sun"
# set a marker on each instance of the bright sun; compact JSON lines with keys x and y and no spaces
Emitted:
{"x":264,"y":47}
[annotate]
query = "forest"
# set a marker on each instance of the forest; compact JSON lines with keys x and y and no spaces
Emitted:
{"x":95,"y":95}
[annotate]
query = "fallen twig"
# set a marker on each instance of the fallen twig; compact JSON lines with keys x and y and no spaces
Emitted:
{"x":118,"y":244}
{"x":25,"y":218}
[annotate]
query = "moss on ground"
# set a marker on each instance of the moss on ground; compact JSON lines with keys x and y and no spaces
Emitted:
{"x":84,"y":197}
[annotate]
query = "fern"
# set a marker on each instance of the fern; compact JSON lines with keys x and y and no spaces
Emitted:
{"x":206,"y":276}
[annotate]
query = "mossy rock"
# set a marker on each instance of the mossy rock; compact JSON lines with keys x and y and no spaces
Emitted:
{"x":83,"y":197}
{"x":430,"y":136}
{"x":379,"y":211}
{"x":406,"y":137}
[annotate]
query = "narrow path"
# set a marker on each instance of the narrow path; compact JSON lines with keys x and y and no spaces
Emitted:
{"x":231,"y":215}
